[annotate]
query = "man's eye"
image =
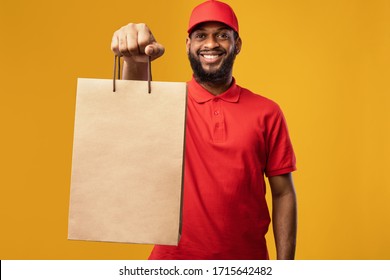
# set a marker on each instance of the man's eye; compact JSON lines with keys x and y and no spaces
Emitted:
{"x":223,"y":36}
{"x":199,"y":36}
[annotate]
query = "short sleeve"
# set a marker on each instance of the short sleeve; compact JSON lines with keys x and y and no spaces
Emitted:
{"x":280,"y":153}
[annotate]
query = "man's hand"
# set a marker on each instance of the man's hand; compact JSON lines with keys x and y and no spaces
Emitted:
{"x":135,"y":42}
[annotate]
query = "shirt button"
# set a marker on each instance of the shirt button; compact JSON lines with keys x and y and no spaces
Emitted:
{"x":216,"y":113}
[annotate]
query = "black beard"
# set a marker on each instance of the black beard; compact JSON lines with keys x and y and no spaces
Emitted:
{"x":220,"y":76}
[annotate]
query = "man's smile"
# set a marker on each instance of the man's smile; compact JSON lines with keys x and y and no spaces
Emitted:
{"x":211,"y":57}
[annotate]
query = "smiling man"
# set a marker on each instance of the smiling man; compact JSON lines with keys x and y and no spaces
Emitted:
{"x":233,"y":138}
{"x":212,"y":48}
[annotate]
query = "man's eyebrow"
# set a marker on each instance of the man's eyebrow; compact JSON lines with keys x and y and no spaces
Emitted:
{"x":219,"y":29}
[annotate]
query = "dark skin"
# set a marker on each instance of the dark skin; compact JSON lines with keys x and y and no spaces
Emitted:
{"x":284,"y":215}
{"x":210,"y":44}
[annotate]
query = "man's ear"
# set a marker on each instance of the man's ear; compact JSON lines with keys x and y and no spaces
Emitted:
{"x":188,"y":43}
{"x":238,"y":45}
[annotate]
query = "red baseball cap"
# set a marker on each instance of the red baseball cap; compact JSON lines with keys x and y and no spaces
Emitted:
{"x":213,"y":10}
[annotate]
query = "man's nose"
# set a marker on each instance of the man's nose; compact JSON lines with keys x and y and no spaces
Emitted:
{"x":211,"y":42}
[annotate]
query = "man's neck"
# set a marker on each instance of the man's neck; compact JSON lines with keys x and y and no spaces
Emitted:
{"x":216,"y":88}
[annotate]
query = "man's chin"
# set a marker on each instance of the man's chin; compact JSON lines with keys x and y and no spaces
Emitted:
{"x":210,"y":70}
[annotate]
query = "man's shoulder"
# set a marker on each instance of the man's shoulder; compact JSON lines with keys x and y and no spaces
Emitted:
{"x":248,"y":96}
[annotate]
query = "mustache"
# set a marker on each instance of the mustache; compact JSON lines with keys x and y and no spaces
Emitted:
{"x":206,"y":51}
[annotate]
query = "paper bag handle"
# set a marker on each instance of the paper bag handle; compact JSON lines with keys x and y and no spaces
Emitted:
{"x":118,"y":59}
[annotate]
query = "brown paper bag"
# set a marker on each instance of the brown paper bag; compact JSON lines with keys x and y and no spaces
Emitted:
{"x":127,"y":164}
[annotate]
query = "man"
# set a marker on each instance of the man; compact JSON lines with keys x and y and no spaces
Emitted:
{"x":233,"y":138}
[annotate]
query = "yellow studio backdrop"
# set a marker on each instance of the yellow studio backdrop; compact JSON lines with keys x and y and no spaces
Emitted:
{"x":327,"y":63}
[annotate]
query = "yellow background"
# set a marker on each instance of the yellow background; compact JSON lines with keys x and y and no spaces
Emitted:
{"x":327,"y":63}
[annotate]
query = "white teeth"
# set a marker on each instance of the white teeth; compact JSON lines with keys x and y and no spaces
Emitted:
{"x":209,"y":56}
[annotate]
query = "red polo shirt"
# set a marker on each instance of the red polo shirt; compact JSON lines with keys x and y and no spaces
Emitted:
{"x":232,"y":140}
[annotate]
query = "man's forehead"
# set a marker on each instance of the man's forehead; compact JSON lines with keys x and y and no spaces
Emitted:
{"x":211,"y":25}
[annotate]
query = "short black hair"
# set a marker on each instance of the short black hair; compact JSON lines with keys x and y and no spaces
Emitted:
{"x":235,"y":34}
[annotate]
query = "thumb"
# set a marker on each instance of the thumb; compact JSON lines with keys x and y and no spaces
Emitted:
{"x":155,"y":50}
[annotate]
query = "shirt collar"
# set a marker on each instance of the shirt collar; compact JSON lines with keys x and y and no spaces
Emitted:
{"x":201,"y":95}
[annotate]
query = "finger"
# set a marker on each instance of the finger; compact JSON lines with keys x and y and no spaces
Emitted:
{"x":132,"y":48}
{"x":125,"y":43}
{"x":147,"y":43}
{"x":155,"y":50}
{"x":115,"y":45}
{"x":145,"y":37}
{"x":122,"y":43}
